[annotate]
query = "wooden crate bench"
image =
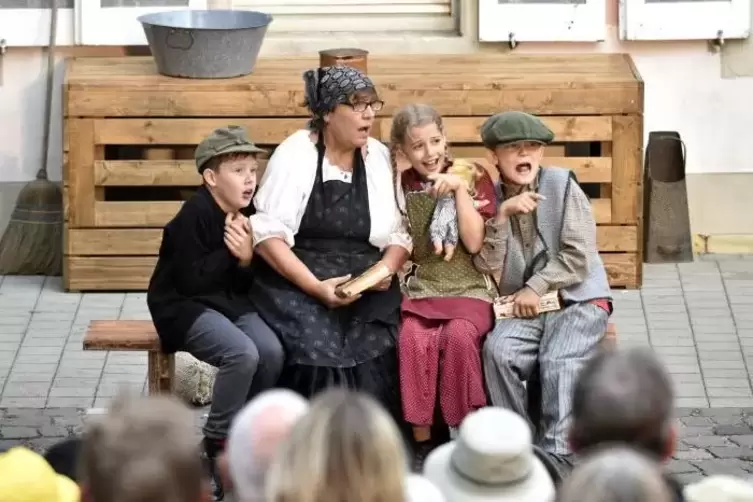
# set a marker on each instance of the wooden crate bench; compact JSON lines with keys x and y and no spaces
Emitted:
{"x":129,"y":135}
{"x":130,"y":335}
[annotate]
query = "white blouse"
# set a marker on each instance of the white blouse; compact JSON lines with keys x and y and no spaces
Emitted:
{"x":288,"y":180}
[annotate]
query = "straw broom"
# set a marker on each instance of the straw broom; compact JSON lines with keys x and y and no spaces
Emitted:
{"x":33,"y":242}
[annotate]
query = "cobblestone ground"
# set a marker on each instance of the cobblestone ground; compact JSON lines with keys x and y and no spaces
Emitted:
{"x":40,"y":428}
{"x":698,"y":317}
{"x":711,"y":441}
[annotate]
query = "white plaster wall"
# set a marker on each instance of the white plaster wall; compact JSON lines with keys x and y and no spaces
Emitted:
{"x":684,"y":91}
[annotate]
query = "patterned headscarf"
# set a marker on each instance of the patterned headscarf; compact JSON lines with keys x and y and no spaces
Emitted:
{"x":327,"y":87}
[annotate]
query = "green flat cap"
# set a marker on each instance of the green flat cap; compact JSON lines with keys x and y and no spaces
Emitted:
{"x":509,"y":127}
{"x":231,"y":139}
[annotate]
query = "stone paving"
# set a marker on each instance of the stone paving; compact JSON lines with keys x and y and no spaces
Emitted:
{"x":697,"y":316}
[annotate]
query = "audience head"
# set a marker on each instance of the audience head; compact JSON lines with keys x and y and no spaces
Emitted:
{"x":616,"y":474}
{"x":343,"y":103}
{"x":719,"y":488}
{"x":417,"y":140}
{"x":25,"y":476}
{"x":144,"y":448}
{"x":255,"y":436}
{"x":63,"y":457}
{"x":491,"y":459}
{"x":346,"y":448}
{"x":227,"y":161}
{"x":624,"y":396}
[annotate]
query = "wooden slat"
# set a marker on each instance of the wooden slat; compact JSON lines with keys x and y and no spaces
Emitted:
{"x":115,"y":68}
{"x":79,"y":175}
{"x":156,"y":214}
{"x":613,"y":238}
{"x":189,"y":131}
{"x":134,"y":214}
{"x":146,"y":241}
{"x":559,"y":71}
{"x":627,"y":155}
{"x":183,"y":172}
{"x":111,"y":273}
{"x":114,"y":173}
{"x":87,"y":273}
{"x":476,"y":150}
{"x":146,"y":173}
{"x":587,"y":169}
{"x":467,"y":85}
{"x":113,"y":241}
{"x":467,"y":129}
{"x":602,"y":209}
{"x":275,"y":102}
{"x":622,"y":269}
{"x":121,"y":335}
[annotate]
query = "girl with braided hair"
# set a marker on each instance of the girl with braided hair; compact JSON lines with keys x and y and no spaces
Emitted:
{"x":447,"y":303}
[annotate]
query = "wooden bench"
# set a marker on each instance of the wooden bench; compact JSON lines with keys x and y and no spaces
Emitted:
{"x":128,"y":335}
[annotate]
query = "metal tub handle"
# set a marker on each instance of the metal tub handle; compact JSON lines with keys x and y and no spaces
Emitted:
{"x":179,"y":39}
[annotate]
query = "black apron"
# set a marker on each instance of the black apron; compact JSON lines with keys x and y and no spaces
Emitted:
{"x":351,"y":346}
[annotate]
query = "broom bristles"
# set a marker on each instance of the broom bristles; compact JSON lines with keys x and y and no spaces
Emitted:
{"x":33,"y":241}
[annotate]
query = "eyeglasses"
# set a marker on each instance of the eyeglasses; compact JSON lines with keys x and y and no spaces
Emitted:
{"x":360,"y":106}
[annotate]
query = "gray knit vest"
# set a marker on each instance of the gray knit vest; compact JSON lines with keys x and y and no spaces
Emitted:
{"x":554,"y":184}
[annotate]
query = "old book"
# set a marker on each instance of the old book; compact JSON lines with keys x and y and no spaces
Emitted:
{"x":370,"y":278}
{"x":547,"y":303}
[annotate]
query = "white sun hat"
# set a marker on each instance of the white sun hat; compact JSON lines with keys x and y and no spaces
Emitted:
{"x":491,"y":460}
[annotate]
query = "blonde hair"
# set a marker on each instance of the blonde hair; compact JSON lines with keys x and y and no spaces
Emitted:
{"x":403,"y":120}
{"x":616,"y":474}
{"x":144,"y":448}
{"x":345,"y":449}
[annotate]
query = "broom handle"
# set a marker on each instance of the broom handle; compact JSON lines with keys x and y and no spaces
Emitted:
{"x":42,"y":173}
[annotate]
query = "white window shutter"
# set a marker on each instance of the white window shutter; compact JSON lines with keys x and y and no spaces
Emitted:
{"x":30,"y":27}
{"x":684,"y":20}
{"x":115,"y":22}
{"x":354,"y":15}
{"x":542,"y":20}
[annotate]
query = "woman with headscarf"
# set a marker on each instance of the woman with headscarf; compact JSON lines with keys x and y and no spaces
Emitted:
{"x":326,"y":211}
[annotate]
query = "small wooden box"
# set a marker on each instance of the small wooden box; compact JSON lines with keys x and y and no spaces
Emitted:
{"x":129,"y":135}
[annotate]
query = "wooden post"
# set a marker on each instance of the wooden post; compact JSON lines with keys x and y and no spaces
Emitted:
{"x":82,"y":153}
{"x":161,"y":372}
{"x":627,"y":148}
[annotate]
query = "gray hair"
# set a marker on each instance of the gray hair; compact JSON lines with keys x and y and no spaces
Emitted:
{"x":623,"y":396}
{"x":144,"y":448}
{"x":616,"y":474}
{"x":256,"y":434}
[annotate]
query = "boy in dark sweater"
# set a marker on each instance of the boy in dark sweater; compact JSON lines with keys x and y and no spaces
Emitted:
{"x":197,"y":294}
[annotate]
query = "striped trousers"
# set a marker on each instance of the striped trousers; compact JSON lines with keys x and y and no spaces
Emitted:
{"x":560,"y":342}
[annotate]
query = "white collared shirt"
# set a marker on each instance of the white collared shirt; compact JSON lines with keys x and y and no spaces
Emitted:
{"x":287,"y":183}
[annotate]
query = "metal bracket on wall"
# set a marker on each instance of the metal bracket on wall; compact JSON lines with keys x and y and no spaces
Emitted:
{"x":3,"y":50}
{"x":511,"y":41}
{"x":717,"y":44}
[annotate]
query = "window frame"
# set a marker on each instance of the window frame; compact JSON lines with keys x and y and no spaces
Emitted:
{"x":95,"y":25}
{"x":704,"y":20}
{"x":542,"y":22}
{"x":356,"y":16}
{"x":31,"y":27}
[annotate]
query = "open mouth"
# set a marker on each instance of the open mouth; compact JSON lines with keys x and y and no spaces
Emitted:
{"x":431,"y":165}
{"x":247,"y":194}
{"x":364,"y":129}
{"x":523,"y":168}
